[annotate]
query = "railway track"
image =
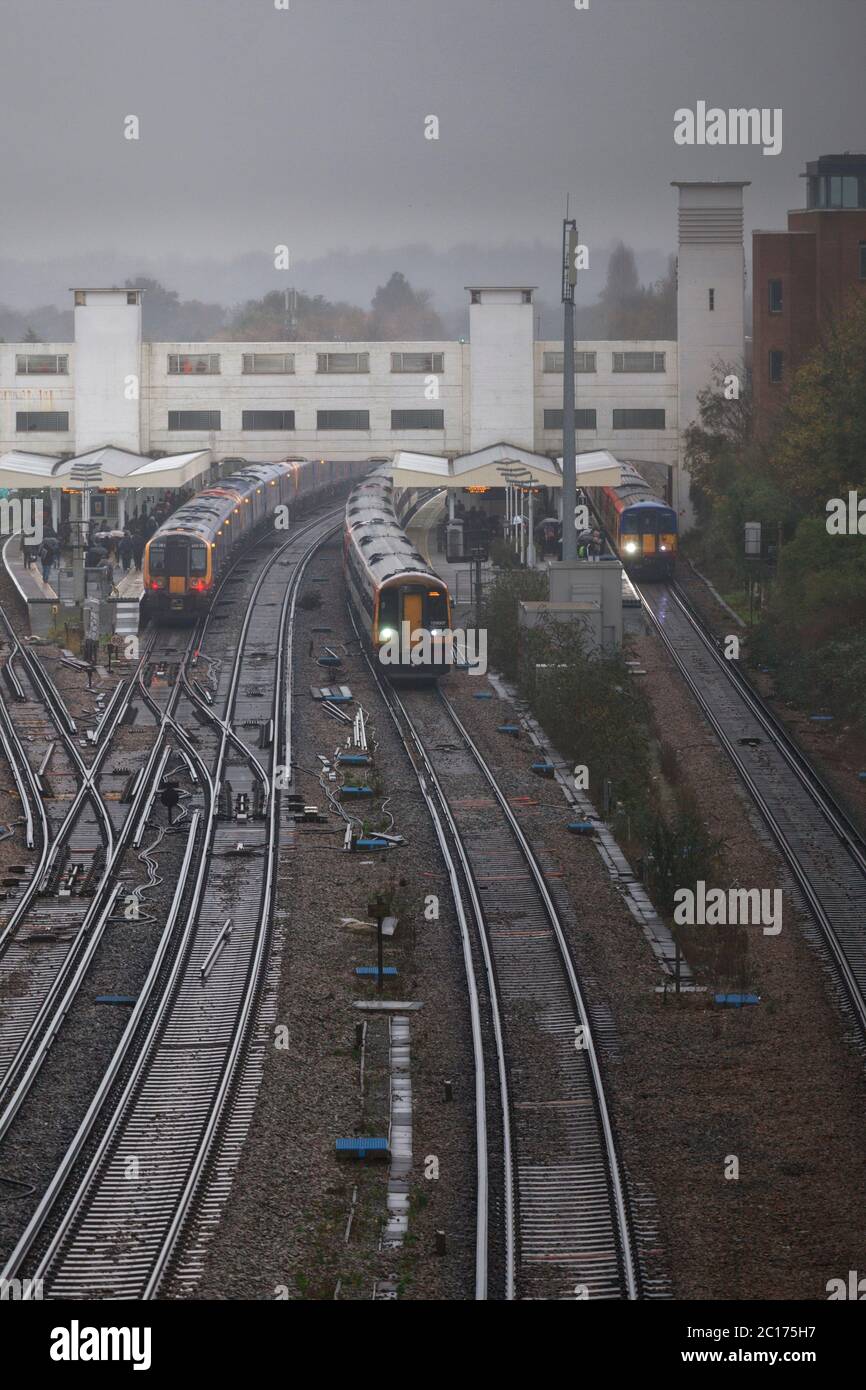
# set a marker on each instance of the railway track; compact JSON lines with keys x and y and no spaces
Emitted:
{"x":822,"y":847}
{"x":111,"y":1220}
{"x":552,"y":1219}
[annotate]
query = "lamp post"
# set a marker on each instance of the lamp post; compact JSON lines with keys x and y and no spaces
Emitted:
{"x":569,"y":479}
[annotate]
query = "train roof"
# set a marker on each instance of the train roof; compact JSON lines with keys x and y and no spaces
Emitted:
{"x":203,"y":514}
{"x":376,"y":533}
{"x":633,"y":490}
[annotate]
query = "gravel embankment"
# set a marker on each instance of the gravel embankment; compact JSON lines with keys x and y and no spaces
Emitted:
{"x":776,"y":1086}
{"x":283,"y":1233}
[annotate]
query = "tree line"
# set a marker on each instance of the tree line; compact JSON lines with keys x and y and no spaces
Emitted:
{"x":785,"y":472}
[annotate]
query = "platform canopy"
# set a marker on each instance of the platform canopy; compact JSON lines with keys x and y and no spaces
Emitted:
{"x":597,"y":468}
{"x":484,"y":468}
{"x":101,"y":468}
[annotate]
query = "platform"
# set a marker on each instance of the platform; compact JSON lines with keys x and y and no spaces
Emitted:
{"x":424,"y":530}
{"x":44,"y":600}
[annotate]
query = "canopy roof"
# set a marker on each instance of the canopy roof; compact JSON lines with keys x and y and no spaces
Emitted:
{"x":484,"y":468}
{"x":101,"y":468}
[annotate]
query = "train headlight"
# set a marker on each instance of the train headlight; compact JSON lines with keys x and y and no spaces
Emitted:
{"x":630,"y":547}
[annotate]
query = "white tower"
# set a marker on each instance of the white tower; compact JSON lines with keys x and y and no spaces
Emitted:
{"x":710,"y":298}
{"x":501,"y":380}
{"x":107,"y":369}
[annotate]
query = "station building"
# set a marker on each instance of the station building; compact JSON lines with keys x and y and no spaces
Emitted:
{"x":230,"y":402}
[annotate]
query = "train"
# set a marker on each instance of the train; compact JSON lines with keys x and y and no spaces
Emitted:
{"x":642,"y":528}
{"x":185,"y":557}
{"x":402,"y":606}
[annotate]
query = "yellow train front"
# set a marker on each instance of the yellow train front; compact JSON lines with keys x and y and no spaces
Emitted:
{"x":642,"y":527}
{"x":185,"y":558}
{"x":403,"y":608}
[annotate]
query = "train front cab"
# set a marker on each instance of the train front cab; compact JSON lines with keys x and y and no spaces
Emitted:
{"x":178,"y":576}
{"x":648,"y":540}
{"x":405,"y":608}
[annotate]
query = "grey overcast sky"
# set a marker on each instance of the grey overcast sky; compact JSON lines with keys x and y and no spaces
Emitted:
{"x":306,"y":125}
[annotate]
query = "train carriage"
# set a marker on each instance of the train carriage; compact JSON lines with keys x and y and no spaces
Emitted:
{"x":643,"y":529}
{"x":403,"y":607}
{"x":186,"y":556}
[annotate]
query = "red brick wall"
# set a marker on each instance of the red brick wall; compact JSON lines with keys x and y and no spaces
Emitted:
{"x":818,"y":262}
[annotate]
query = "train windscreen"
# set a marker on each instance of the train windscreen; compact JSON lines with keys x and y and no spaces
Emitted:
{"x":170,"y":557}
{"x":652,"y":521}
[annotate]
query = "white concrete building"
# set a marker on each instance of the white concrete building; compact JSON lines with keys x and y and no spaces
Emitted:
{"x":337,"y":400}
{"x":711,"y":271}
{"x":266,"y":401}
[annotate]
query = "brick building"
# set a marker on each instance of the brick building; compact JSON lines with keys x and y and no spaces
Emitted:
{"x":804,"y":276}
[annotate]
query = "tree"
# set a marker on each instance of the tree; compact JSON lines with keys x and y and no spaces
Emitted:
{"x":399,"y":313}
{"x":164,"y":315}
{"x":820,"y":449}
{"x":31,"y":336}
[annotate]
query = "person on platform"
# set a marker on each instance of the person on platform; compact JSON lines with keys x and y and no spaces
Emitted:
{"x":47,"y":555}
{"x":126,"y":551}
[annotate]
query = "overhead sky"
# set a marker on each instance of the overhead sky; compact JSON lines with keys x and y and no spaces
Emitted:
{"x":306,"y":125}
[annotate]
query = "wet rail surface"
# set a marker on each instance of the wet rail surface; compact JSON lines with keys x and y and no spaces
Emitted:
{"x":169,"y":1089}
{"x":823,"y":849}
{"x":552,"y":1217}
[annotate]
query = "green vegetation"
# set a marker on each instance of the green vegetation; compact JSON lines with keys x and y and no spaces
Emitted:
{"x":811,"y":631}
{"x":597,"y":717}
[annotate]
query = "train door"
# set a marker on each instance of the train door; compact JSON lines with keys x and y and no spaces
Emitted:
{"x":413,"y":609}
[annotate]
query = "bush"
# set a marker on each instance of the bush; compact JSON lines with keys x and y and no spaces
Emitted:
{"x":498,"y":613}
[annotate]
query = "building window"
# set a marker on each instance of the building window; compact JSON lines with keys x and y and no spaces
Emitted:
{"x":712,"y":294}
{"x":268,"y":363}
{"x":638,"y":361}
{"x":474,"y":296}
{"x":132,"y":296}
{"x":193,"y":364}
{"x":418,"y":362}
{"x":775,"y":295}
{"x":526,"y":296}
{"x":638,"y":419}
{"x":342,"y":361}
{"x":268,"y":420}
{"x":863,"y":260}
{"x":417,"y":419}
{"x":343,"y":419}
{"x":583,"y":420}
{"x":80,"y":299}
{"x":194,"y":420}
{"x":41,"y":364}
{"x":555,"y":362}
{"x":777,"y":364}
{"x":41,"y":421}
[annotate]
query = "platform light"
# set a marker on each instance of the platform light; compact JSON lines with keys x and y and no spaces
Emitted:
{"x":630,"y":547}
{"x":385,"y":633}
